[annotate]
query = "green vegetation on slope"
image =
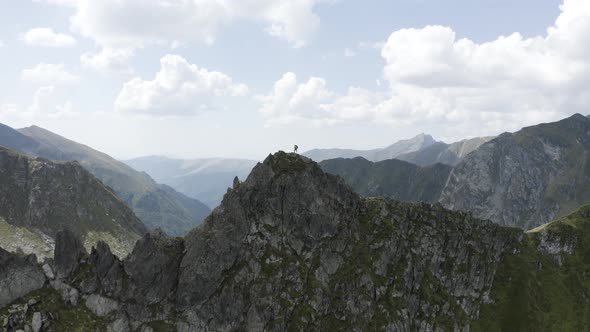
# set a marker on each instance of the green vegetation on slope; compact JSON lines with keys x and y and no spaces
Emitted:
{"x":68,"y":317}
{"x":546,"y":285}
{"x":392,"y":178}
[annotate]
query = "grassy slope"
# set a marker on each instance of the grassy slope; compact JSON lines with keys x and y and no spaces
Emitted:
{"x":531,"y":289}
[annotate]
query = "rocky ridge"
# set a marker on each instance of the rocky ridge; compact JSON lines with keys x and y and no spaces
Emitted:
{"x":294,"y":248}
{"x":39,"y":197}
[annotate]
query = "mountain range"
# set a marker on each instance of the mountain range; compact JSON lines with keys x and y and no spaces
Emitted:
{"x":294,"y":248}
{"x":523,"y":179}
{"x":204,"y":179}
{"x":393,"y":151}
{"x":157,"y":205}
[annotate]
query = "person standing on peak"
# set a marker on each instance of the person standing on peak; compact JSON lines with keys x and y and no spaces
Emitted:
{"x":295,"y":148}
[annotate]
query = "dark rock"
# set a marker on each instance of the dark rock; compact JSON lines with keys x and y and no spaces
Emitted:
{"x":153,"y":267}
{"x":18,"y":276}
{"x":69,"y":250}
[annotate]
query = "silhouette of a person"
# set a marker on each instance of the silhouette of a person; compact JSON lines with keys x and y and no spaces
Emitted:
{"x":296,"y":148}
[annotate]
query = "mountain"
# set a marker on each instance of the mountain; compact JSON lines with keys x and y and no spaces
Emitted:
{"x":527,"y":178}
{"x":39,"y":197}
{"x":402,"y":147}
{"x":204,"y":179}
{"x":439,"y":152}
{"x":294,"y":248}
{"x":391,"y":178}
{"x":158,"y":206}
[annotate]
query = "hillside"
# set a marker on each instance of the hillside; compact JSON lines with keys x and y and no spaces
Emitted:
{"x":293,"y":248}
{"x":204,"y":179}
{"x":527,"y":178}
{"x":39,"y":197}
{"x":157,"y":206}
{"x":392,"y":178}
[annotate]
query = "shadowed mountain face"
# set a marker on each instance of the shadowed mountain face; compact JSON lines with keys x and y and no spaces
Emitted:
{"x":44,"y":197}
{"x":204,"y":179}
{"x":156,"y":205}
{"x":392,"y":178}
{"x":393,"y":151}
{"x":293,"y":248}
{"x":527,"y":178}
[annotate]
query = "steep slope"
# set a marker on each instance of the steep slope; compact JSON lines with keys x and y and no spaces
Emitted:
{"x":204,"y":179}
{"x":527,"y":178}
{"x":439,"y":152}
{"x":44,"y":197}
{"x":293,"y":248}
{"x":392,"y":178}
{"x":156,"y":205}
{"x":402,"y":147}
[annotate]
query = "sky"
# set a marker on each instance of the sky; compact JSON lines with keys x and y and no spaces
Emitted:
{"x":244,"y":78}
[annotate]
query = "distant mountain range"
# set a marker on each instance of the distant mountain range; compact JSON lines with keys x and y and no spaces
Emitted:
{"x":393,"y":151}
{"x":204,"y":179}
{"x":439,"y":152}
{"x":158,"y":206}
{"x":422,"y":150}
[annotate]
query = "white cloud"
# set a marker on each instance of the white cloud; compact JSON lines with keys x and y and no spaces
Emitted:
{"x":45,"y":37}
{"x":178,"y":89}
{"x":47,"y":73}
{"x":109,"y":61}
{"x":435,"y":79}
{"x":131,"y":23}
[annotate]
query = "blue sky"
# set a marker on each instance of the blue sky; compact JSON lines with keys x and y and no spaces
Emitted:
{"x":251,"y":77}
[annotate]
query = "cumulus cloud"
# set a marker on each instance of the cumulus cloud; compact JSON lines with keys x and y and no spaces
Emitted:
{"x":435,"y":78}
{"x":46,"y":37}
{"x":178,"y":89}
{"x":47,"y":73}
{"x":131,"y":23}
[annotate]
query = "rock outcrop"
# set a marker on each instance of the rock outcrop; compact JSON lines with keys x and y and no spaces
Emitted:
{"x":19,"y":275}
{"x":45,"y":197}
{"x":69,"y":250}
{"x":525,"y":179}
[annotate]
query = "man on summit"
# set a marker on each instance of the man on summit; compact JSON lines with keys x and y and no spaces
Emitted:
{"x":295,"y":148}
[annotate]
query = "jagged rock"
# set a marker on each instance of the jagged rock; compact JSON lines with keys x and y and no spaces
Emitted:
{"x":153,"y":267}
{"x":69,"y":250}
{"x":19,"y":275}
{"x":100,"y":305}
